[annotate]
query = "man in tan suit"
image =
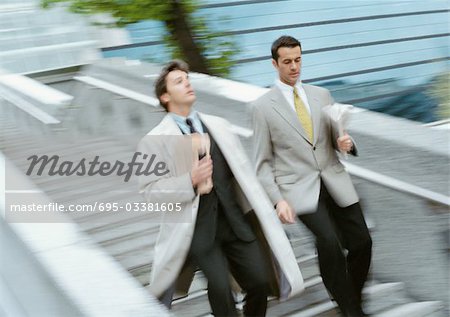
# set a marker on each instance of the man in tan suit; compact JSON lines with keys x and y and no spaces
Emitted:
{"x":217,"y":236}
{"x":297,"y":164}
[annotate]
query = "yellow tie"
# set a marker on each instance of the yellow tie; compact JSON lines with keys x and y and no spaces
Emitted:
{"x":303,"y":115}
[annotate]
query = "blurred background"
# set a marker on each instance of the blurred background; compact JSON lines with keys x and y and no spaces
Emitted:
{"x":387,"y":56}
{"x":76,"y":80}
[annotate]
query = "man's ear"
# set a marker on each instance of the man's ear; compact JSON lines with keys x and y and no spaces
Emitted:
{"x":274,"y":63}
{"x":165,"y":98}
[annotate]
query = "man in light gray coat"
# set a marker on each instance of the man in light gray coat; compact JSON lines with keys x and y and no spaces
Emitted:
{"x":297,"y":164}
{"x":212,"y":230}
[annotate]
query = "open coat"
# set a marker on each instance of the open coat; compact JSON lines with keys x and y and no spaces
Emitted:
{"x":176,"y":229}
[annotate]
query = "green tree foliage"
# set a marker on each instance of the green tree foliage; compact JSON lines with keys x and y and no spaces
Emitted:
{"x":187,"y":37}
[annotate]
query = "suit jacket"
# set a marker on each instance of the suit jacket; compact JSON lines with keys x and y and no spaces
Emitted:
{"x":287,"y":164}
{"x":219,"y":211}
{"x":176,"y":229}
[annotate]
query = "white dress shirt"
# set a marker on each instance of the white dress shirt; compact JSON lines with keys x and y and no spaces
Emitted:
{"x":288,"y":93}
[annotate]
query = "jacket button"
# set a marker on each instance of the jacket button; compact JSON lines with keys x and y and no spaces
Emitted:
{"x":314,"y":148}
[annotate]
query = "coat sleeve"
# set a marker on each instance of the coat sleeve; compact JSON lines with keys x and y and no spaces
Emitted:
{"x":169,"y":188}
{"x":263,"y":154}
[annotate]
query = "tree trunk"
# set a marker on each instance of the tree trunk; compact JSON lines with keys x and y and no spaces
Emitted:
{"x":181,"y":32}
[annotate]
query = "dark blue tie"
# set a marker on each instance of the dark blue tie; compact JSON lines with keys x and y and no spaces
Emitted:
{"x":191,"y":125}
{"x":192,"y":129}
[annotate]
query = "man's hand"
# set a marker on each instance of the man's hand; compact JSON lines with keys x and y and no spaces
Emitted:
{"x":285,"y":212}
{"x":201,"y":170}
{"x":345,"y":143}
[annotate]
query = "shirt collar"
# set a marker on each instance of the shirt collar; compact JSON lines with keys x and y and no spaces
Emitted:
{"x":286,"y":88}
{"x":193,"y":115}
{"x":181,"y":121}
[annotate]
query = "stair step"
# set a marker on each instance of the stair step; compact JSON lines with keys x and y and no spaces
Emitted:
{"x":140,"y":245}
{"x":131,"y":241}
{"x":141,"y":273}
{"x":100,"y":196}
{"x":57,"y":184}
{"x":303,"y":245}
{"x":315,"y":310}
{"x":323,"y":307}
{"x":418,"y":309}
{"x":101,"y":222}
{"x":18,"y":152}
{"x":381,"y":296}
{"x":196,"y":303}
{"x":310,"y":280}
{"x":122,"y":231}
{"x":314,"y":294}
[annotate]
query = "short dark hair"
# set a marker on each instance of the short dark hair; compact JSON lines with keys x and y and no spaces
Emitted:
{"x":284,"y":41}
{"x":161,"y":83}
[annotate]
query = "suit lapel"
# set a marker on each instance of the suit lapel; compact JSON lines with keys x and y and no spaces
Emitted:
{"x":314,"y":105}
{"x":281,"y":106}
{"x":211,"y":139}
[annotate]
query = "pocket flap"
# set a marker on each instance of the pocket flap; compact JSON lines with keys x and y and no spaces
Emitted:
{"x":286,"y":179}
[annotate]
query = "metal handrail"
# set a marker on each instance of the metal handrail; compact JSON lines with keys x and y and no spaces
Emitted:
{"x":27,"y":107}
{"x":118,"y":90}
{"x":396,"y":184}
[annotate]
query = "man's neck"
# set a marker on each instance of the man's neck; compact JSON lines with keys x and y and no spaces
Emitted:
{"x":298,"y":82}
{"x":183,"y":111}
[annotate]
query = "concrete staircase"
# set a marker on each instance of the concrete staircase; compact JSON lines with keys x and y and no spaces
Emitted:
{"x":130,"y":239}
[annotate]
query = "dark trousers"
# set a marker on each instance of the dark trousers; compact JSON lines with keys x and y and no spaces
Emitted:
{"x":335,"y":229}
{"x":244,"y":260}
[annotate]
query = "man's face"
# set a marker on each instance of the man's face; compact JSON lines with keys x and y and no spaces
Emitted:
{"x":288,"y":64}
{"x":179,"y":90}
